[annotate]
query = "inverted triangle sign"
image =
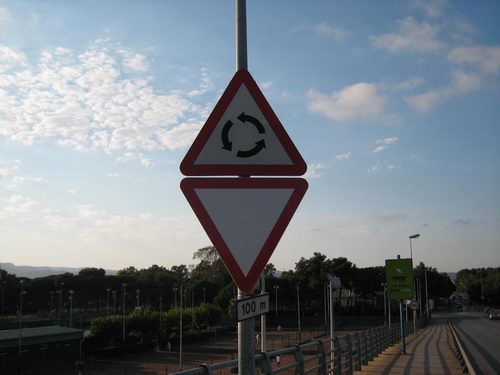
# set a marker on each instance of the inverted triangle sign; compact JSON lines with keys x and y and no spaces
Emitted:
{"x":244,"y":218}
{"x":243,"y":136}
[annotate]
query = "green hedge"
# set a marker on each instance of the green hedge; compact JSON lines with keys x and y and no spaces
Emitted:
{"x":145,"y":326}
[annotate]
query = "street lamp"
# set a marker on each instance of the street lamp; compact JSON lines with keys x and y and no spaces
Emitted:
{"x":175,"y":296}
{"x":107,"y":300}
{"x":384,"y":286}
{"x":123,"y":310}
{"x":21,"y":294}
{"x":114,"y":301}
{"x":60,"y":293}
{"x":71,"y":292}
{"x":298,"y":311}
{"x":276,"y":287}
{"x":3,"y":299}
{"x":412,"y":237}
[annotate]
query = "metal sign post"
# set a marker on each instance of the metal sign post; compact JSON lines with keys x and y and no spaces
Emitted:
{"x":246,"y":343}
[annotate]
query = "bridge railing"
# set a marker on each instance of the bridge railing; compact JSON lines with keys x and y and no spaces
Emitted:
{"x":339,"y":355}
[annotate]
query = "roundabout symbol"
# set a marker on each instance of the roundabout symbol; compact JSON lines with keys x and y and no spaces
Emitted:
{"x":228,"y":145}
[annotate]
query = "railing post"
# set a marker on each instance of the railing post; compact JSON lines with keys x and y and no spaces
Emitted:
{"x":265,"y":364}
{"x":207,"y":368}
{"x":299,"y":358}
{"x":357,"y":363}
{"x":322,"y":358}
{"x":349,"y":353}
{"x":337,"y":357}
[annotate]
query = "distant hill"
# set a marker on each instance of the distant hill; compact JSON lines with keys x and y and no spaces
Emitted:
{"x":33,"y":272}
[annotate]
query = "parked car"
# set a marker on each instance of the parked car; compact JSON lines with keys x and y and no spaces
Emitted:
{"x":494,"y":315}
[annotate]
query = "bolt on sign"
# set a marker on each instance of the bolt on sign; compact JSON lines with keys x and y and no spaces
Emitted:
{"x":399,"y":273}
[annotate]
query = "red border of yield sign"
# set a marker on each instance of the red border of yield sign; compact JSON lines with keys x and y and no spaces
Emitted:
{"x":242,"y":77}
{"x":245,"y":283}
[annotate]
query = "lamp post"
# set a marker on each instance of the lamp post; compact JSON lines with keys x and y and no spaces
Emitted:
{"x":298,"y":311}
{"x":180,"y":330}
{"x":71,"y":292}
{"x":114,"y":301}
{"x":107,"y":301}
{"x":3,"y":299}
{"x":123,"y":311}
{"x":60,"y":293}
{"x":276,"y":287}
{"x":413,"y":236}
{"x":21,"y":294}
{"x":384,"y":286}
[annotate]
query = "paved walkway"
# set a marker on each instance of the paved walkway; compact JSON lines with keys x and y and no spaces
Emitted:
{"x":430,"y":351}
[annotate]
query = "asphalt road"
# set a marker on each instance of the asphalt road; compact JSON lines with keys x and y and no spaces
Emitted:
{"x":481,"y":339}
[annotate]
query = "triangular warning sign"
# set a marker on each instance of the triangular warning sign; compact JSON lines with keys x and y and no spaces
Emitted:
{"x":243,"y":136}
{"x":244,"y":218}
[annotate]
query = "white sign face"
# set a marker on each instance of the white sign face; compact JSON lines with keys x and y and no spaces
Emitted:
{"x":244,"y":218}
{"x":252,"y":307}
{"x":243,"y":136}
{"x":335,"y":281}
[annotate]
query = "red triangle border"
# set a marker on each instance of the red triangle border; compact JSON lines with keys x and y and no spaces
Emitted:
{"x":245,"y":283}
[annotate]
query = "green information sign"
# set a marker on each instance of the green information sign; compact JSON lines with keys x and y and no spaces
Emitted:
{"x":399,"y":278}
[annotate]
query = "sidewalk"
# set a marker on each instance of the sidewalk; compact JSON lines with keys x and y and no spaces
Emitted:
{"x":430,"y":351}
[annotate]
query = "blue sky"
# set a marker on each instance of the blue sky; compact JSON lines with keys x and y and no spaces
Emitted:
{"x":394,"y":105}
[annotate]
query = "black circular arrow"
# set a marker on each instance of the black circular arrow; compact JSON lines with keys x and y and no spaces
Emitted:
{"x":228,"y":145}
{"x":254,"y":151}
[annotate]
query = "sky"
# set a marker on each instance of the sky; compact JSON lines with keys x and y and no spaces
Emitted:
{"x":394,"y":106}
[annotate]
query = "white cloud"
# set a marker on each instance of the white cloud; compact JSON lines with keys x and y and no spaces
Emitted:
{"x":486,"y":59}
{"x":387,"y":141}
{"x":375,"y":168}
{"x":384,"y":143}
{"x":359,"y":101}
{"x":18,"y":207}
{"x":412,"y":37}
{"x":10,"y":57}
{"x":416,"y":156}
{"x":462,"y":83}
{"x":132,"y":156}
{"x":82,"y":100}
{"x":409,"y":84}
{"x":134,"y":61}
{"x":334,"y":32}
{"x":314,"y":170}
{"x":432,"y":8}
{"x":344,"y":156}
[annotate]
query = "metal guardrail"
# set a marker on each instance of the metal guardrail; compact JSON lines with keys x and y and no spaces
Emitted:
{"x":339,"y":355}
{"x":462,"y":355}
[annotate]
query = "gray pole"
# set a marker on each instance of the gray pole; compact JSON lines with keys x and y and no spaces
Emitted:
{"x":123,"y":312}
{"x":389,"y":306}
{"x":403,"y":347}
{"x":385,"y":305}
{"x":426,"y":296}
{"x":20,"y":319}
{"x":246,"y":343}
{"x":180,"y":334}
{"x":246,"y":328}
{"x":414,"y":311}
{"x":241,"y":35}
{"x":298,"y":313}
{"x":263,"y":317}
{"x":331,"y":324}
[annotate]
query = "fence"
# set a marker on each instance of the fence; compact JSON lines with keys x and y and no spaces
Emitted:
{"x":336,"y":356}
